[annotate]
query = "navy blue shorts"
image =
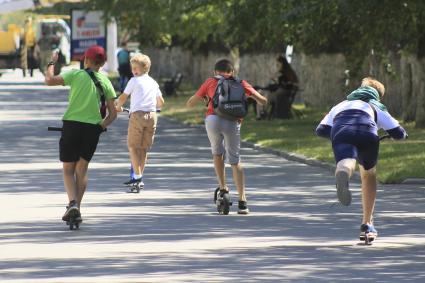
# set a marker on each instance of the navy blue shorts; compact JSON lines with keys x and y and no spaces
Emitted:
{"x":348,"y":142}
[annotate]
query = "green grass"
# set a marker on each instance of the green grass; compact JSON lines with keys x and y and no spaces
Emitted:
{"x":398,"y":160}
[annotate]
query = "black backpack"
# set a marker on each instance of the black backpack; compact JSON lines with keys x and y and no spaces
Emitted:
{"x":229,"y":101}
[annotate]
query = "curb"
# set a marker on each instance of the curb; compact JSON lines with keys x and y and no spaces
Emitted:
{"x":298,"y":157}
{"x":414,"y":181}
{"x":287,"y":155}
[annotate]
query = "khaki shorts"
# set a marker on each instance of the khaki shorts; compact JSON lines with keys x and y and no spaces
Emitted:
{"x":141,"y":129}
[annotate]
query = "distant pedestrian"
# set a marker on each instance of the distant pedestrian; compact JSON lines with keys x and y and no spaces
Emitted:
{"x":124,"y":68}
{"x":83,"y":122}
{"x":224,"y":134}
{"x":352,"y":126}
{"x":285,"y":89}
{"x":29,"y":53}
{"x":146,"y":98}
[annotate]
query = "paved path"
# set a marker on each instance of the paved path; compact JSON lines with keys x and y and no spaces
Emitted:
{"x":170,"y":232}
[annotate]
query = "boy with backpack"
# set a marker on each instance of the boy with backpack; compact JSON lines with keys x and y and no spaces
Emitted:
{"x":83,"y":121}
{"x":352,"y":126}
{"x":226,"y":97}
{"x":146,"y":98}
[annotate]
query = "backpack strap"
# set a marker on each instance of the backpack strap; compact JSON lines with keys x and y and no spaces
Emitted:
{"x":99,"y":88}
{"x":221,"y":80}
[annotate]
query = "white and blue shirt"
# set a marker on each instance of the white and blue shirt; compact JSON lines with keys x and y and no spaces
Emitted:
{"x":360,"y":114}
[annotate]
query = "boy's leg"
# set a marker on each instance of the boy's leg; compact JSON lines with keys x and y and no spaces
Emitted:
{"x":71,"y":188}
{"x":232,"y":143}
{"x":239,"y":179}
{"x":368,"y":158}
{"x":134,"y":141}
{"x":347,"y":165}
{"x":219,"y":168}
{"x":143,"y":160}
{"x":345,"y":156}
{"x":369,"y":188}
{"x":69,"y":180}
{"x":135,"y":155}
{"x":213,"y":127}
{"x":344,"y":171}
{"x":148,"y":136}
{"x":81,"y":178}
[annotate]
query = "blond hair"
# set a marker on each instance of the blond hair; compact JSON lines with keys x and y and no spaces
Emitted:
{"x":143,"y":61}
{"x":369,"y":81}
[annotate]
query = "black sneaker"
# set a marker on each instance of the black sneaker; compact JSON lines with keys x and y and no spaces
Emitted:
{"x":71,"y":208}
{"x":243,"y":207}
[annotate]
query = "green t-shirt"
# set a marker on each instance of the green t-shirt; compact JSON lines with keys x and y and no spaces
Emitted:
{"x":84,"y":98}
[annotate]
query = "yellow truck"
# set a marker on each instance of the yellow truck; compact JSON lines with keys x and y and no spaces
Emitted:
{"x":50,"y":32}
{"x":10,"y":47}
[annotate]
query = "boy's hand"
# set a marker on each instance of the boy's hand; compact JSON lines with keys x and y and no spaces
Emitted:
{"x":118,"y":107}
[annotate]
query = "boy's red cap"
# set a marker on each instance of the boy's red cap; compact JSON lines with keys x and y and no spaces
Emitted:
{"x":95,"y":53}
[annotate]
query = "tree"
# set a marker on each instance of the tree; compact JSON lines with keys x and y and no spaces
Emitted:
{"x":353,"y":28}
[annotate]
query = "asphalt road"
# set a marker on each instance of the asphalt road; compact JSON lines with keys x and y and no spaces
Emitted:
{"x":171,"y":232}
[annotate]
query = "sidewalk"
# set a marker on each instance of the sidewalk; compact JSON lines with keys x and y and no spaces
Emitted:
{"x":170,"y":232}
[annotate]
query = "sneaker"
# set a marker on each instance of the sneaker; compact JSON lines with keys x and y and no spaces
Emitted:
{"x":78,"y":217}
{"x":133,"y":181}
{"x":342,"y":187}
{"x":242,"y":207}
{"x":369,"y":231}
{"x":72,"y":208}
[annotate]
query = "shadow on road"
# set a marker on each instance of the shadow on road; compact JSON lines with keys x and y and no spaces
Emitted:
{"x":171,"y":231}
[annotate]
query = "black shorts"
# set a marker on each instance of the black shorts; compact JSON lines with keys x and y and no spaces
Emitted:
{"x":78,"y":140}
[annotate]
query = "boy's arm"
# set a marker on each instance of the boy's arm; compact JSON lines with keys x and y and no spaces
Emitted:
{"x":159,"y":101}
{"x":112,"y":114}
{"x":324,"y":131}
{"x":50,"y":78}
{"x":325,"y":127}
{"x":200,"y":95}
{"x":120,"y":102}
{"x":258,"y":97}
{"x":193,"y":100}
{"x":397,"y":133}
{"x":254,"y":94}
{"x":390,"y":125}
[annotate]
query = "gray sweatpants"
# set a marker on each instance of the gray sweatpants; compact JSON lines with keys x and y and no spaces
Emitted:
{"x":225,"y":138}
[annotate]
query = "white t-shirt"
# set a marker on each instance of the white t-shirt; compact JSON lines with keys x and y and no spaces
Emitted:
{"x":384,"y":119}
{"x":143,"y":91}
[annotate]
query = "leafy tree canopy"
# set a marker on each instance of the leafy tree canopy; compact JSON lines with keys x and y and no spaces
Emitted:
{"x":314,"y":26}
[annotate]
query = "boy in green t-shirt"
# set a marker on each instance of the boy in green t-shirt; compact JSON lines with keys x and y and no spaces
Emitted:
{"x":82,"y":123}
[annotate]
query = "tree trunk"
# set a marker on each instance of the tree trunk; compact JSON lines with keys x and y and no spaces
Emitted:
{"x":420,"y":90}
{"x":235,"y":57}
{"x":408,"y":99}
